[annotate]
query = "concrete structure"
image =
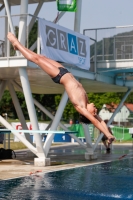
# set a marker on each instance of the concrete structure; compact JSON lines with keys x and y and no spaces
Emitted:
{"x":17,"y":73}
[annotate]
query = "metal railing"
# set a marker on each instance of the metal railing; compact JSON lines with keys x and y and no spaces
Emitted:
{"x":111,"y":43}
{"x":118,"y":132}
{"x":6,"y":50}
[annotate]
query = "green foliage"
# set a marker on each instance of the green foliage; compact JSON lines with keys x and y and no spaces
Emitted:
{"x":69,"y":111}
{"x":7,"y":106}
{"x":104,"y":98}
{"x":48,"y":101}
{"x":12,"y":51}
{"x":129,"y":98}
{"x":6,"y":103}
{"x":51,"y":103}
{"x":33,"y":35}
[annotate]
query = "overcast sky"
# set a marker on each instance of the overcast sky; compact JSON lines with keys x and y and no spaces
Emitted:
{"x":95,"y":13}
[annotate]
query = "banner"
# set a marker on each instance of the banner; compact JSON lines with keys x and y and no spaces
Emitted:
{"x":67,"y":5}
{"x":18,"y":126}
{"x":64,"y":45}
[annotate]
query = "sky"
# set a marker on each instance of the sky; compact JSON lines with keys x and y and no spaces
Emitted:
{"x":95,"y":13}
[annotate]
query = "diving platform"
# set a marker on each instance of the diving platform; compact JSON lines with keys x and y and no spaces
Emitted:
{"x":41,"y":83}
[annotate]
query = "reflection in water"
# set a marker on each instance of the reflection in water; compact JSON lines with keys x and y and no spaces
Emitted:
{"x":108,"y":181}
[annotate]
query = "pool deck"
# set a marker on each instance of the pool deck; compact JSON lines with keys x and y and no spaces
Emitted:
{"x":63,"y":156}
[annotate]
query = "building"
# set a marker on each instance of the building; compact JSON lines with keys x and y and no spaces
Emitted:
{"x":122,"y":116}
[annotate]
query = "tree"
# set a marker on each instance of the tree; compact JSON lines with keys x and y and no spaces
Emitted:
{"x":33,"y":35}
{"x":12,"y":51}
{"x":6,"y":105}
{"x":69,"y":111}
{"x":104,"y":98}
{"x":48,"y":101}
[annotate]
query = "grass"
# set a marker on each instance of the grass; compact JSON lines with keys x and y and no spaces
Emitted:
{"x":20,"y":145}
{"x":14,"y":145}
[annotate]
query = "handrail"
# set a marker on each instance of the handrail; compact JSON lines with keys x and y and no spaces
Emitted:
{"x":114,"y":27}
{"x":114,"y":44}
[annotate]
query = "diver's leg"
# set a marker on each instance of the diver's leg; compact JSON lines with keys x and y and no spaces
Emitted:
{"x":48,"y":65}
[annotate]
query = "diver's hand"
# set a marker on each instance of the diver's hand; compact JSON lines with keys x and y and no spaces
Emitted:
{"x":111,"y":139}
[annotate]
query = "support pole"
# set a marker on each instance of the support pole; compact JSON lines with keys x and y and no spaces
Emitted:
{"x":23,"y":74}
{"x":59,"y":17}
{"x":77,"y":20}
{"x":31,"y":109}
{"x":26,"y":84}
{"x":89,"y":154}
{"x":35,"y":14}
{"x":23,"y":22}
{"x":9,"y":16}
{"x":55,"y":123}
{"x":18,"y":110}
{"x":20,"y":137}
{"x":87,"y":136}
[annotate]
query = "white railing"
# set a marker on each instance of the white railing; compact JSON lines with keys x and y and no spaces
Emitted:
{"x":111,"y":43}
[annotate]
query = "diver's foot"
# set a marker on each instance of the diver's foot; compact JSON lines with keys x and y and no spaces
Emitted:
{"x":13,"y":40}
{"x":108,"y":150}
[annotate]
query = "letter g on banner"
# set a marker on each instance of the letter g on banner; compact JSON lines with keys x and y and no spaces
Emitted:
{"x":51,"y":37}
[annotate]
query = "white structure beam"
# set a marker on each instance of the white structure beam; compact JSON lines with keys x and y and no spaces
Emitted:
{"x":87,"y":136}
{"x":56,"y":121}
{"x":77,"y":19}
{"x":19,"y":136}
{"x":112,"y":117}
{"x":25,"y":81}
{"x":18,"y":110}
{"x":23,"y":74}
{"x":35,"y":15}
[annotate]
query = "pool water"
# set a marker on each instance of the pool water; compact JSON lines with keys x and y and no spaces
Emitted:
{"x":108,"y":181}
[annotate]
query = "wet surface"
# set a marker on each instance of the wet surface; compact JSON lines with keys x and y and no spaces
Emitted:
{"x":112,"y":180}
{"x":62,"y":157}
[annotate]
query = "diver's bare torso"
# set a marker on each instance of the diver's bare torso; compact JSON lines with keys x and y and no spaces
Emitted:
{"x":75,"y":91}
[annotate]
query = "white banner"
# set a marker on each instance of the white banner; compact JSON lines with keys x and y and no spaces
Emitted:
{"x":18,"y":126}
{"x":64,"y":45}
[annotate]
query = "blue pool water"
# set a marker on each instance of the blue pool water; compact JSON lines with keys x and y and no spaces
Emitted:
{"x":108,"y":181}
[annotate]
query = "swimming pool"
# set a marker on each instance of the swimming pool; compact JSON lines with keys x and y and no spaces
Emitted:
{"x":108,"y":181}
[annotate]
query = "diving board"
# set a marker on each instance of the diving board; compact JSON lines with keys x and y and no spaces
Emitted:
{"x":37,"y":131}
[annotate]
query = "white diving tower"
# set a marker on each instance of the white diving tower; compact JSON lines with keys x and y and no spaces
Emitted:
{"x":17,"y":73}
